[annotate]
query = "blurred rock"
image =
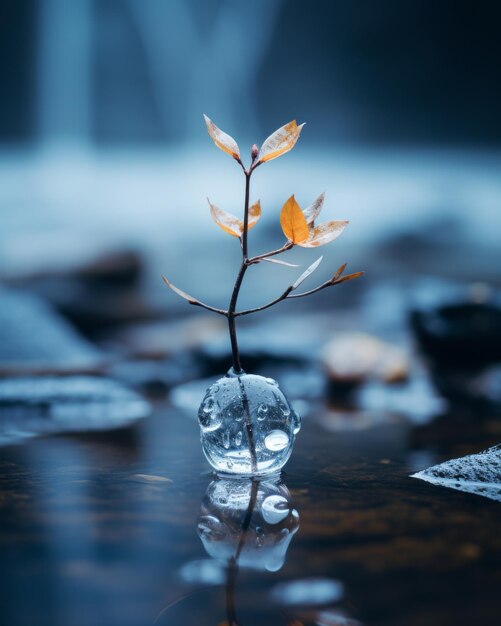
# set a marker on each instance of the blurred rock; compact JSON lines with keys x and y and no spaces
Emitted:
{"x":36,"y":406}
{"x":156,"y":377}
{"x":460,"y":335}
{"x":157,"y":339}
{"x":279,"y":338}
{"x":100,"y":292}
{"x":35,"y":339}
{"x":352,"y":358}
{"x":478,"y":390}
{"x":488,"y":385}
{"x":416,"y":399}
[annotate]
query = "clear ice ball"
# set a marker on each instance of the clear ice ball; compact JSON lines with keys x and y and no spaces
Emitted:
{"x":251,"y":521}
{"x":247,"y":426}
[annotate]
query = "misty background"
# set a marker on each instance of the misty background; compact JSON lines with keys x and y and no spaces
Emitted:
{"x":103,"y":146}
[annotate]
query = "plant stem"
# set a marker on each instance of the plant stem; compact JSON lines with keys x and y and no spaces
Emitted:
{"x":237,"y":366}
{"x":232,"y":571}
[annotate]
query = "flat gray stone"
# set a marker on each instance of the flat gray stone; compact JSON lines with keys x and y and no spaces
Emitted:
{"x":31,"y":406}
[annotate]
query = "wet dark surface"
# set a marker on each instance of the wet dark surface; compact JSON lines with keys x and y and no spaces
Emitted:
{"x":90,"y":535}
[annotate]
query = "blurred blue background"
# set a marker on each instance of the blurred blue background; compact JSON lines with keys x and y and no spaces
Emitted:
{"x":103,"y":145}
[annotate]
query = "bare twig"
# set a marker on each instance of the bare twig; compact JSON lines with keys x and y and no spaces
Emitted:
{"x":328,"y":283}
{"x":255,"y":259}
{"x":284,"y":296}
{"x":191,"y":299}
{"x":287,"y":295}
{"x":210,"y":308}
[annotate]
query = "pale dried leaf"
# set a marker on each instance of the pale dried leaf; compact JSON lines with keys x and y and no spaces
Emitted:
{"x":306,"y":273}
{"x":349,"y":277}
{"x":254,"y":215}
{"x":228,"y":222}
{"x":280,"y":142}
{"x":280,"y":262}
{"x":313,"y":211}
{"x":339,"y":272}
{"x":150,"y":478}
{"x":293,"y":222}
{"x":179,"y":292}
{"x":325,"y":233}
{"x":223,"y":141}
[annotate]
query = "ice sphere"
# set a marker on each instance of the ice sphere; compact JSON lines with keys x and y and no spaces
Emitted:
{"x":252,"y":522}
{"x":247,"y":426}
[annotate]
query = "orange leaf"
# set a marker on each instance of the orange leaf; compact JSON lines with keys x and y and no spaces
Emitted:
{"x":228,"y":222}
{"x":293,"y":221}
{"x":223,"y":141}
{"x":179,"y":292}
{"x":254,"y":215}
{"x":313,"y":211}
{"x":280,"y":142}
{"x":325,"y":233}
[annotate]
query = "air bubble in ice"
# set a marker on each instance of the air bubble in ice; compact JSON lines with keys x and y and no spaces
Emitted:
{"x":277,"y":440}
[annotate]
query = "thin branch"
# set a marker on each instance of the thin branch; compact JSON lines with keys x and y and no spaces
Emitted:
{"x":241,"y":165}
{"x":237,"y":366}
{"x":210,"y":308}
{"x":287,"y":246}
{"x":328,"y":283}
{"x":191,"y":299}
{"x":287,"y":293}
{"x":266,"y":306}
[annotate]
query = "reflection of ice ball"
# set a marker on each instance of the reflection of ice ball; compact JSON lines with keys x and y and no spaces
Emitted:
{"x":245,"y":413}
{"x":252,"y":520}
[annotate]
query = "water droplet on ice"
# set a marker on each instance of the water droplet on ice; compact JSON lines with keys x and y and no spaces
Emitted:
{"x":210,"y":526}
{"x":208,"y":404}
{"x":271,"y":381}
{"x":262,"y":411}
{"x":209,"y":415}
{"x":283,"y":406}
{"x":276,"y":440}
{"x":238,"y":438}
{"x":259,"y":537}
{"x":226,"y":439}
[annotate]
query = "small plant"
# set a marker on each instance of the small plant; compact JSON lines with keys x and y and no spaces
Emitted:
{"x":297,"y":224}
{"x":241,"y":403}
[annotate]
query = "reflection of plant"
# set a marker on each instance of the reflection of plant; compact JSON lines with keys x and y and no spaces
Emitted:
{"x":297,"y":224}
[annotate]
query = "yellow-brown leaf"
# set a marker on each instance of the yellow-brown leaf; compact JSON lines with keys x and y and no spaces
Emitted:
{"x":325,"y":233}
{"x":280,"y":142}
{"x":254,"y":214}
{"x":293,"y":221}
{"x":349,"y":277}
{"x":223,"y":141}
{"x":228,"y":222}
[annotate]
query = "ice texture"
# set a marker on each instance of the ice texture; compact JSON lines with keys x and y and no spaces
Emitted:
{"x":251,"y":522}
{"x":476,"y":473}
{"x":244,"y":413}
